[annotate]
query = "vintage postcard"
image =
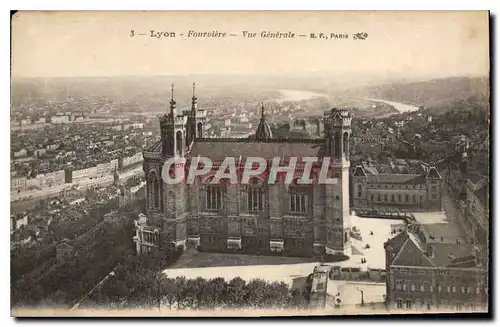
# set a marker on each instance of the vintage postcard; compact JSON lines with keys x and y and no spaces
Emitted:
{"x":249,"y":163}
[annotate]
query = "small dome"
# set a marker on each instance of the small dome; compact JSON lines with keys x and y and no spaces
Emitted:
{"x":263,"y":130}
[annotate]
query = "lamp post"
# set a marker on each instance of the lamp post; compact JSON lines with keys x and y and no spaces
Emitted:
{"x":362,"y":296}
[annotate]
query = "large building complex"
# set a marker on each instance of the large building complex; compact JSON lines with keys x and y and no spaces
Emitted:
{"x":257,"y":217}
{"x":399,"y":185}
{"x":426,"y":274}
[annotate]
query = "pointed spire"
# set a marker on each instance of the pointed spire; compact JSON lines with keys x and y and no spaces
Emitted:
{"x":193,"y":99}
{"x":172,"y":102}
{"x":263,"y":132}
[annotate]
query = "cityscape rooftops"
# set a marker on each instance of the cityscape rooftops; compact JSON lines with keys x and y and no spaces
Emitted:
{"x":411,"y":249}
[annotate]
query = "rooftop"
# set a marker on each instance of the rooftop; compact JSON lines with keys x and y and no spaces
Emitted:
{"x":440,"y":227}
{"x":396,"y":179}
{"x":220,"y":149}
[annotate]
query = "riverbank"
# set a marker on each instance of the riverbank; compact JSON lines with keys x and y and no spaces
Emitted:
{"x":399,"y":106}
{"x":301,"y":95}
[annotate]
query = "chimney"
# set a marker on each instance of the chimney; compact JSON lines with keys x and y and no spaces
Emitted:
{"x":430,"y":251}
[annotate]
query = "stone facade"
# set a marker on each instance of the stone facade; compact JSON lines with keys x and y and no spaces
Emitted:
{"x":413,"y":192}
{"x":260,"y":217}
{"x":424,"y":275}
{"x":425,"y":288}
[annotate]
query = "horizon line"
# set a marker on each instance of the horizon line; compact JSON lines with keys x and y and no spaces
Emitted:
{"x":392,"y":76}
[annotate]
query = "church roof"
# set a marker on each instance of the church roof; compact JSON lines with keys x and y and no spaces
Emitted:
{"x":263,"y":131}
{"x":396,"y":179}
{"x":220,"y":149}
{"x":156,"y":147}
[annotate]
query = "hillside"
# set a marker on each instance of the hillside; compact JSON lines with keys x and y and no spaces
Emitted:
{"x":433,"y":94}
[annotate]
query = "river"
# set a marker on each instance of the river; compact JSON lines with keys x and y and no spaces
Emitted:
{"x":299,"y":95}
{"x":401,"y":107}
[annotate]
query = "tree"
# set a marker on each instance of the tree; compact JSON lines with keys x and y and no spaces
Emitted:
{"x":190,"y":292}
{"x":118,"y":291}
{"x":217,"y":290}
{"x":181,"y":294}
{"x":255,"y":292}
{"x":37,"y":293}
{"x":277,"y":295}
{"x":201,"y":294}
{"x":57,"y":299}
{"x":169,"y":291}
{"x":236,"y":292}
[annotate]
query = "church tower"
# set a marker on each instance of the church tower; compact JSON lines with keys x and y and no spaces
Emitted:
{"x":197,"y":120}
{"x":173,"y":131}
{"x":166,"y":201}
{"x":337,"y":213}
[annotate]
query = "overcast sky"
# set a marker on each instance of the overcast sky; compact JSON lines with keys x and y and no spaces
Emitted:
{"x":49,"y":44}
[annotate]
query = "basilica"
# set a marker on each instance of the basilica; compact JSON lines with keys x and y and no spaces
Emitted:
{"x":290,"y":219}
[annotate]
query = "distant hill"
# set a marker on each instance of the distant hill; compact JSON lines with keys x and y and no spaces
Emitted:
{"x":437,"y":94}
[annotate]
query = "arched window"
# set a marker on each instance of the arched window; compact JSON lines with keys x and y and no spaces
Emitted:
{"x":255,"y":196}
{"x":298,"y":198}
{"x":189,"y":135}
{"x":213,"y":195}
{"x":345,"y":140}
{"x":153,"y":191}
{"x":199,"y":130}
{"x":338,"y":145}
{"x":178,"y":142}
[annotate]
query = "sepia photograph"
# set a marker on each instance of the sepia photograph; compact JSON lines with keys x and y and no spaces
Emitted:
{"x":249,"y":163}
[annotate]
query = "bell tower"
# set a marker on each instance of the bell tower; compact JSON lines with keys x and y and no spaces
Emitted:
{"x":173,"y":131}
{"x":196,"y":121}
{"x":337,"y":214}
{"x":173,"y":220}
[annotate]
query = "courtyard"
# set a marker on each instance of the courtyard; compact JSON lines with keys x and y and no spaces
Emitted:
{"x":441,"y":227}
{"x":349,"y":293}
{"x":375,"y":254}
{"x":191,"y":258}
{"x":193,"y":264}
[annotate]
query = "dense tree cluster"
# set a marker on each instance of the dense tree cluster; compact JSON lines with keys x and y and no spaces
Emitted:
{"x":137,"y":285}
